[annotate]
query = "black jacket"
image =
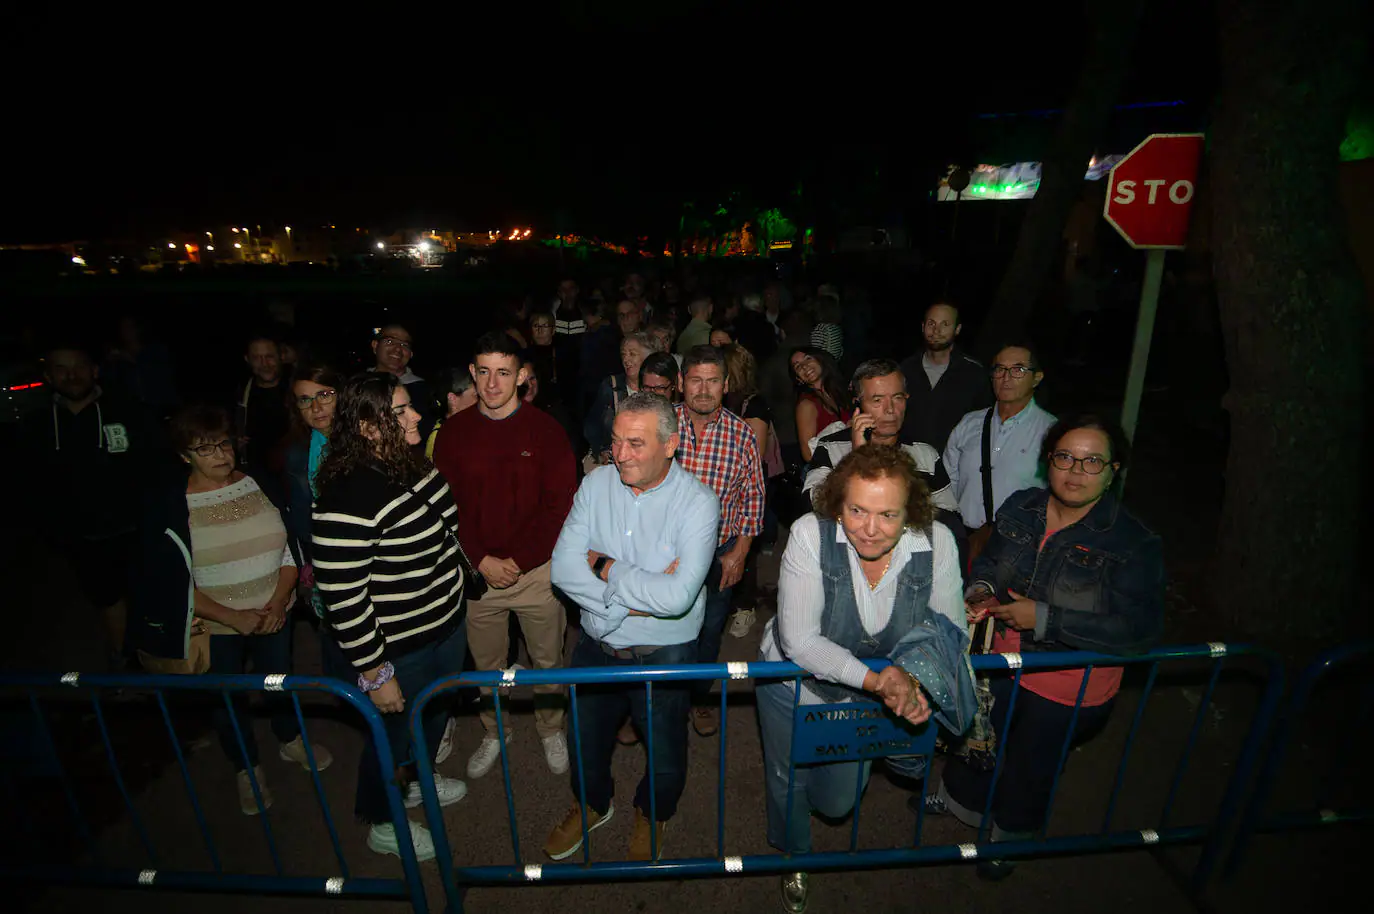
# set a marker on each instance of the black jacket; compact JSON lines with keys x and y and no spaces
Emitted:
{"x":931,"y":414}
{"x":164,"y":587}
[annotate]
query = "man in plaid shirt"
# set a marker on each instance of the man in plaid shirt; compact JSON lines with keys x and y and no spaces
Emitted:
{"x":720,"y":449}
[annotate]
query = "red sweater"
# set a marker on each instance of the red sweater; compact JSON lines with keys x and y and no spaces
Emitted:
{"x":513,"y":480}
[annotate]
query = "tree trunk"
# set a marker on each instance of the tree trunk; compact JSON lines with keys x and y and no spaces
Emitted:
{"x":1294,"y":319}
{"x":1110,"y":36}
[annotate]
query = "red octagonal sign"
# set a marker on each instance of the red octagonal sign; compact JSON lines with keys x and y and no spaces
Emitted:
{"x":1150,"y":192}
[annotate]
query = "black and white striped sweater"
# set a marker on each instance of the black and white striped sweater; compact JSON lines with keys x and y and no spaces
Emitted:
{"x":386,"y":563}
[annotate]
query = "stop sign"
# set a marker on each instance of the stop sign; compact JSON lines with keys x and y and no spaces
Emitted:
{"x":1150,"y":192}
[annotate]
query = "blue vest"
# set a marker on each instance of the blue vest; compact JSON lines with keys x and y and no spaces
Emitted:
{"x":840,"y":619}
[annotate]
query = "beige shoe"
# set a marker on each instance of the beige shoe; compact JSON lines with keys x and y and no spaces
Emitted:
{"x":796,"y":891}
{"x":294,"y":751}
{"x":639,"y":838}
{"x":566,"y":837}
{"x":247,"y":802}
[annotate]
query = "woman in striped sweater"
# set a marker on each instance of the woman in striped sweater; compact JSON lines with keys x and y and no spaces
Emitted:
{"x":387,"y":566}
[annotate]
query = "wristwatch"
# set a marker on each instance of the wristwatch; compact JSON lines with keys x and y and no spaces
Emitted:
{"x":600,"y":565}
{"x":384,"y":675}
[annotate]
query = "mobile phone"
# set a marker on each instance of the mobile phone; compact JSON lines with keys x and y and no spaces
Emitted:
{"x":868,"y":434}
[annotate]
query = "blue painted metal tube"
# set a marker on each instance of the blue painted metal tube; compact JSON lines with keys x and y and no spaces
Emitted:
{"x":119,"y":779}
{"x":921,"y":805}
{"x":792,"y":770}
{"x":581,"y":778}
{"x":177,"y":879}
{"x":1064,"y":750}
{"x":505,"y":775}
{"x":319,"y":788}
{"x":720,"y":785}
{"x":649,"y":747}
{"x":985,"y":823}
{"x":190,"y":787}
{"x":873,"y":859}
{"x":253,"y":782}
{"x":1193,"y":735}
{"x":858,"y":799}
{"x":429,"y":798}
{"x":1130,"y":742}
{"x":80,"y":820}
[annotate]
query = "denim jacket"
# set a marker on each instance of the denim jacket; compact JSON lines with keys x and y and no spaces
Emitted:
{"x":1098,"y":584}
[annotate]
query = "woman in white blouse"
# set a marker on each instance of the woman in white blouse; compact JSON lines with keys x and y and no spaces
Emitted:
{"x":245,"y":579}
{"x":869,"y":575}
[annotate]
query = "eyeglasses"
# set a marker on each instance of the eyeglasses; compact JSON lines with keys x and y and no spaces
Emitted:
{"x":324,"y":398}
{"x":392,"y":341}
{"x":1016,"y":371}
{"x":1063,"y":460}
{"x":663,"y":390}
{"x":209,"y":450}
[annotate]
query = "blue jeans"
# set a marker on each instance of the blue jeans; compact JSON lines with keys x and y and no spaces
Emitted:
{"x":414,"y":671}
{"x":713,"y":624}
{"x":827,"y":788}
{"x":230,"y":654}
{"x":600,"y":712}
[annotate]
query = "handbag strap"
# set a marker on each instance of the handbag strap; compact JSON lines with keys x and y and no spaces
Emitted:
{"x":468,"y":567}
{"x":987,"y":465}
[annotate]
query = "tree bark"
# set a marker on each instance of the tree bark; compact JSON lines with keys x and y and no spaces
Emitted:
{"x":1110,"y":36}
{"x":1293,"y":317}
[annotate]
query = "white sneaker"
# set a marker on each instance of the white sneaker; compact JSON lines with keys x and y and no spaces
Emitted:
{"x":481,"y":761}
{"x":446,"y":743}
{"x":382,"y":840}
{"x":741,"y":622}
{"x":556,"y":753}
{"x":450,"y":791}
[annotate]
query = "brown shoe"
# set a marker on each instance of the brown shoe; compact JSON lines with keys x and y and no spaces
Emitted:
{"x":627,"y":735}
{"x":705,"y":721}
{"x":566,"y":837}
{"x":639,"y":839}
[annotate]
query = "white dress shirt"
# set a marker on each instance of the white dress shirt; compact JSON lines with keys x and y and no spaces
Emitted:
{"x":1015,"y":452}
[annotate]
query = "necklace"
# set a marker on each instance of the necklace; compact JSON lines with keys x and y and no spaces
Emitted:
{"x":873,"y":585}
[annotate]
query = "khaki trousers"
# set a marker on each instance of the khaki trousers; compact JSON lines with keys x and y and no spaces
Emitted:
{"x":544,"y":623}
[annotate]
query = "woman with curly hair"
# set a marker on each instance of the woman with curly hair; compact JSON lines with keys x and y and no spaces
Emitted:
{"x":821,"y":396}
{"x":869,"y":576}
{"x":390,"y":572}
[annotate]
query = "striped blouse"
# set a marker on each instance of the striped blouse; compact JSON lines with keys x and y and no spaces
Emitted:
{"x":386,"y":564}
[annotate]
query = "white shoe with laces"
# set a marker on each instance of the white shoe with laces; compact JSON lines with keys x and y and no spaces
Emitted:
{"x":481,"y":761}
{"x":446,"y":743}
{"x":382,"y":840}
{"x":556,"y":753}
{"x":741,"y":622}
{"x":450,"y":791}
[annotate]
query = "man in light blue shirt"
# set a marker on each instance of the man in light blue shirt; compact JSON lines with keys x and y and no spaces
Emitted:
{"x":633,"y":554}
{"x":1015,"y":433}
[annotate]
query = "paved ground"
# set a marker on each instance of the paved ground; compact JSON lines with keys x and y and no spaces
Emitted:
{"x":479,"y":831}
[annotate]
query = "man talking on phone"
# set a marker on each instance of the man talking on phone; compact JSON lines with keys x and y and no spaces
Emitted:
{"x":880,"y":400}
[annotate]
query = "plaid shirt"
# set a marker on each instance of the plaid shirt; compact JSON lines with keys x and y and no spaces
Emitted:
{"x":726,"y":459}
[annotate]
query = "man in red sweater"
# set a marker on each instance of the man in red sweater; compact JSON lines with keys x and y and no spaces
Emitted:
{"x":513,"y":476}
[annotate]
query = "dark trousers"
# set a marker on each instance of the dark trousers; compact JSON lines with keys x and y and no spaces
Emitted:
{"x":414,"y":671}
{"x":600,"y":712}
{"x":1033,"y":744}
{"x":713,"y":625}
{"x":231,"y":654}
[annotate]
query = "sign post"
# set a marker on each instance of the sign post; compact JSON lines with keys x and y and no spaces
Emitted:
{"x":1149,"y":200}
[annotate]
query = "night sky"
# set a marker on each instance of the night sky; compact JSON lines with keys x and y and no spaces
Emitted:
{"x":602,"y":121}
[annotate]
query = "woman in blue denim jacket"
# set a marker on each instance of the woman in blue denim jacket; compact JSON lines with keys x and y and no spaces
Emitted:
{"x":1067,"y":568}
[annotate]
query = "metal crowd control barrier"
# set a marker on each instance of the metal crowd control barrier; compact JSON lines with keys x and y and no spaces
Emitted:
{"x":523,"y":870}
{"x":44,"y":694}
{"x":1260,"y":816}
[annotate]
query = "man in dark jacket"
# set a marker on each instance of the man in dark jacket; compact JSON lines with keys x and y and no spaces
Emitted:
{"x":85,"y":455}
{"x":942,"y":381}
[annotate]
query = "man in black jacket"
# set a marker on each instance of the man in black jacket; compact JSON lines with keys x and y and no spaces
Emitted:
{"x":85,"y":457}
{"x":943,"y":381}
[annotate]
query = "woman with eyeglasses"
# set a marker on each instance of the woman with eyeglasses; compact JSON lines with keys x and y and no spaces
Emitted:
{"x":219,"y":544}
{"x":658,"y":375}
{"x":390,"y":572}
{"x":1067,"y":568}
{"x":821,"y":396}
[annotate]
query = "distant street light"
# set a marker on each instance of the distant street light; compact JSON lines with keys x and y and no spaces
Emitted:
{"x":171,"y":245}
{"x":237,"y":245}
{"x":209,"y":247}
{"x":381,"y":245}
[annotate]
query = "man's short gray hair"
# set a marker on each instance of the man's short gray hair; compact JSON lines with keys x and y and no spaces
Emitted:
{"x":643,"y":402}
{"x":641,"y":339}
{"x":874,"y":368}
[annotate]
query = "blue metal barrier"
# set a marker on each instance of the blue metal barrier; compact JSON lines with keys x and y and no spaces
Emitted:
{"x":46,"y":693}
{"x":1208,"y":832}
{"x":1322,"y":810}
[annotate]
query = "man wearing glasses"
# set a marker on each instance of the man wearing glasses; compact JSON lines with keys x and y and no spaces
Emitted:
{"x":994,"y":452}
{"x":394,"y":346}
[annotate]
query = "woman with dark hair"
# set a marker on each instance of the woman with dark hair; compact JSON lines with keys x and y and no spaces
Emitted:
{"x":454,"y":390}
{"x":217,"y":560}
{"x":391,"y":574}
{"x":821,"y":397}
{"x":870,"y":575}
{"x":658,"y":375}
{"x":1067,"y":569}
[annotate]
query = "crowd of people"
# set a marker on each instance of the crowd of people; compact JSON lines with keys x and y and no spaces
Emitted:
{"x":618,"y":468}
